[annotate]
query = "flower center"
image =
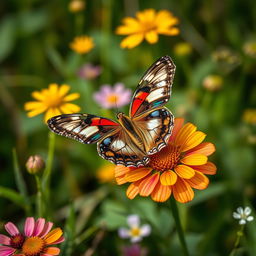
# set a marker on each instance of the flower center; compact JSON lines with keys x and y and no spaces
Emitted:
{"x":148,"y":25}
{"x":17,"y":241}
{"x":135,"y":232}
{"x":166,"y":159}
{"x":112,"y":98}
{"x":54,"y":101}
{"x":33,"y":246}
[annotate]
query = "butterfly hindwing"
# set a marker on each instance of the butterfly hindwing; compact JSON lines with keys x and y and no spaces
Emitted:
{"x":154,"y":88}
{"x":84,"y":128}
{"x":156,"y":127}
{"x":118,"y":148}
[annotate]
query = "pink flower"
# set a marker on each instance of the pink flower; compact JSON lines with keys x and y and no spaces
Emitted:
{"x":36,"y":239}
{"x":111,"y":97}
{"x":134,"y":250}
{"x":89,"y":71}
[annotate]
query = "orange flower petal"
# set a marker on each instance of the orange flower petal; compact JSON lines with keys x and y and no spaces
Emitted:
{"x":205,"y":148}
{"x":121,"y":180}
{"x":121,"y":170}
{"x":161,"y":193}
{"x":186,"y":131}
{"x":52,"y":251}
{"x":182,"y":191}
{"x":168,"y":178}
{"x":148,"y":184}
{"x":184,"y":171}
{"x":194,"y":159}
{"x":53,"y":236}
{"x":132,"y":41}
{"x":193,"y":140}
{"x":199,"y":181}
{"x":178,"y":123}
{"x":137,"y":174}
{"x":208,"y":168}
{"x":133,"y":190}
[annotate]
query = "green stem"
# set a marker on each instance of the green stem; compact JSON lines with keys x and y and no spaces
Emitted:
{"x":175,"y":213}
{"x":239,"y":233}
{"x":40,"y":210}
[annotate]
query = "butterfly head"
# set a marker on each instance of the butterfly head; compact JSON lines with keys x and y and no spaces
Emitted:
{"x":120,"y":116}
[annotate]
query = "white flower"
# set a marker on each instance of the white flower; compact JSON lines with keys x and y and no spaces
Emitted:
{"x":243,"y":215}
{"x":135,"y":232}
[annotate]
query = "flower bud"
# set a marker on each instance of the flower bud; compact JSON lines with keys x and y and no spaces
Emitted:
{"x":76,"y":6}
{"x":183,"y":49}
{"x":35,"y":164}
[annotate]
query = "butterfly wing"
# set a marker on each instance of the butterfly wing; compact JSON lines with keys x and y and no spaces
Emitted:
{"x":114,"y":144}
{"x":154,"y":88}
{"x":84,"y":128}
{"x":155,"y":127}
{"x":118,"y":148}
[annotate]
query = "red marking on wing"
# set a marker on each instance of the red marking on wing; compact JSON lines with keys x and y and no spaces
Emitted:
{"x":102,"y":121}
{"x":137,"y":101}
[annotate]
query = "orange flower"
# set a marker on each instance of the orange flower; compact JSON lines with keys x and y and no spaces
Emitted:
{"x":177,"y":168}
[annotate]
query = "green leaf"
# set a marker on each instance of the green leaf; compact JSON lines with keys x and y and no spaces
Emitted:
{"x":12,"y":196}
{"x":7,"y":37}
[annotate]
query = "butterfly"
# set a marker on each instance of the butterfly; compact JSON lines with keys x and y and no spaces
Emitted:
{"x":132,"y":139}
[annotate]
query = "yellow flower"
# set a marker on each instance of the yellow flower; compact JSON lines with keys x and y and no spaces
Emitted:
{"x":250,"y":48}
{"x":53,"y":101}
{"x":182,"y":49}
{"x":147,"y":25}
{"x":82,"y":44}
{"x":76,"y":5}
{"x":106,"y":173}
{"x":213,"y":82}
{"x":249,"y":116}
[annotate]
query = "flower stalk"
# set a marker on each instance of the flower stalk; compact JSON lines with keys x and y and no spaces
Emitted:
{"x":175,"y":213}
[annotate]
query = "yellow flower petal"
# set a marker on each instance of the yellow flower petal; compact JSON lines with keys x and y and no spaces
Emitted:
{"x":48,"y":114}
{"x":70,"y":108}
{"x":133,"y":190}
{"x":121,"y":170}
{"x":194,"y":159}
{"x":186,"y":131}
{"x":38,"y":95}
{"x":146,"y":16}
{"x":199,"y":181}
{"x":178,"y":123}
{"x":161,"y":193}
{"x":132,"y":41}
{"x":184,"y":171}
{"x":182,"y":191}
{"x":151,"y":37}
{"x":63,"y":90}
{"x":36,"y":111}
{"x":193,"y":140}
{"x":53,"y":236}
{"x":53,"y":89}
{"x":33,"y":105}
{"x":148,"y":184}
{"x":168,"y":178}
{"x":137,"y":174}
{"x":72,"y":96}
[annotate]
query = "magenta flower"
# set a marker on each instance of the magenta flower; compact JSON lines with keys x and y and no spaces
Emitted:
{"x":36,"y":239}
{"x":111,"y":97}
{"x":134,"y":250}
{"x":89,"y":71}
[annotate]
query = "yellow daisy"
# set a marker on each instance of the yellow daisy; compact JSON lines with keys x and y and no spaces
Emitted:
{"x":82,"y":44}
{"x":147,"y":25}
{"x":54,"y":101}
{"x":106,"y":173}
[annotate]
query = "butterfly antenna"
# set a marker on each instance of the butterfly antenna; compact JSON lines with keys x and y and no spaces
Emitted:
{"x":116,"y":109}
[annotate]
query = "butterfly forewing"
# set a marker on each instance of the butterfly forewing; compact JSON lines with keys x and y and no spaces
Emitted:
{"x":84,"y":128}
{"x":154,"y":88}
{"x":155,"y":127}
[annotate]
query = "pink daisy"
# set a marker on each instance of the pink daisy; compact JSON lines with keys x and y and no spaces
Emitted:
{"x":89,"y":71}
{"x":36,"y":239}
{"x":111,"y":97}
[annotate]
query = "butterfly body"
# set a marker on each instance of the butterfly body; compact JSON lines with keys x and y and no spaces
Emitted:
{"x":131,"y":140}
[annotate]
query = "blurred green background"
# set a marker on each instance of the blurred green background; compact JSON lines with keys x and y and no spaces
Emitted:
{"x":214,"y":87}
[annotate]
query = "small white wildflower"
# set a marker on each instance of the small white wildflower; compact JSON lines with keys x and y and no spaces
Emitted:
{"x":135,"y":232}
{"x":243,"y":215}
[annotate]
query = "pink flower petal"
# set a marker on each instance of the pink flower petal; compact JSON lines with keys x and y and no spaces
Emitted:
{"x":11,"y":229}
{"x":47,"y":228}
{"x":39,"y":226}
{"x":118,"y":88}
{"x":6,"y":251}
{"x":29,"y":226}
{"x":106,"y":89}
{"x":4,"y":240}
